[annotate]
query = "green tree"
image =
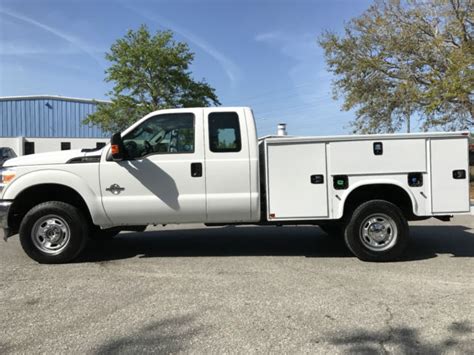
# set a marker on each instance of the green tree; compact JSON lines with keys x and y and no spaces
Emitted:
{"x":149,"y":73}
{"x":404,"y":59}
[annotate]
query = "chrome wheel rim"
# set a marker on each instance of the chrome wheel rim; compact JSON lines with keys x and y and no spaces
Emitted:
{"x":51,"y":234}
{"x":378,"y":232}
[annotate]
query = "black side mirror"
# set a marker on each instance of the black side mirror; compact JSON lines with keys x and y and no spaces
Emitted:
{"x":117,"y":147}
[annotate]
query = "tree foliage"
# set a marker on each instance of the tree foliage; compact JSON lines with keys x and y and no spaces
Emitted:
{"x":149,"y":73}
{"x":404,"y":59}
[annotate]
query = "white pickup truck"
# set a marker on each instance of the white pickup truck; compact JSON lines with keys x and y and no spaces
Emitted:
{"x":206,"y":165}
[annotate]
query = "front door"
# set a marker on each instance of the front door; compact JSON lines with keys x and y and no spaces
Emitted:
{"x":162,"y":180}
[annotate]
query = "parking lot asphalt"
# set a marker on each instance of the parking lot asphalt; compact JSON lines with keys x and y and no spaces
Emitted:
{"x":242,"y":290}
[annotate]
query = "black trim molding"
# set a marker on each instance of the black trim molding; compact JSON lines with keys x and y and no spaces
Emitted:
{"x":82,"y":160}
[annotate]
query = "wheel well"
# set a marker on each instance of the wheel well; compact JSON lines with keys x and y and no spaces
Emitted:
{"x":37,"y":194}
{"x":388,"y":192}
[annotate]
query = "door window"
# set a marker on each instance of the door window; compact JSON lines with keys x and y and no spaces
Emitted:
{"x":224,"y":132}
{"x":161,"y":134}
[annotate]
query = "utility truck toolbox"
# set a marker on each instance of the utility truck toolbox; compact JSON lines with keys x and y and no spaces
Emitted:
{"x":206,"y":165}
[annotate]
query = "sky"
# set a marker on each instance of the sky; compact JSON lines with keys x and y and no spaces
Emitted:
{"x":258,"y":53}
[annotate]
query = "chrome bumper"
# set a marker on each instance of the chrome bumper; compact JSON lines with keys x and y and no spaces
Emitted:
{"x":4,"y":210}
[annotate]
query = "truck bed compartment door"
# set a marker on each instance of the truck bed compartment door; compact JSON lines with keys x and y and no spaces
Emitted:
{"x":449,"y":175}
{"x":297,"y":181}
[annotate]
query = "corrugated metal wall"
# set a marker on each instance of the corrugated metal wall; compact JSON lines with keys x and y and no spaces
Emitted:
{"x":46,"y":117}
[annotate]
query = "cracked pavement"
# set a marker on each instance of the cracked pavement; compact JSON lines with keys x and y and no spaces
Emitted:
{"x":243,"y":290}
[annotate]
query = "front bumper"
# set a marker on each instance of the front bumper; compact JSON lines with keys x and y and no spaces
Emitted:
{"x":4,"y":210}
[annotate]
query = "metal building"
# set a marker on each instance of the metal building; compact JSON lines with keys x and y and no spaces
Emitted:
{"x":41,"y":123}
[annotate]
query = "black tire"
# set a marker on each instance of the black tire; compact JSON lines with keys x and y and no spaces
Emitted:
{"x":71,"y":218}
{"x":385,"y":218}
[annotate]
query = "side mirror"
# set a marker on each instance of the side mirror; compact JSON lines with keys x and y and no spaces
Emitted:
{"x":117,"y":148}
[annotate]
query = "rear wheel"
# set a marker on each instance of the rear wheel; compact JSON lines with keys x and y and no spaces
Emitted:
{"x":377,"y":231}
{"x":53,"y":232}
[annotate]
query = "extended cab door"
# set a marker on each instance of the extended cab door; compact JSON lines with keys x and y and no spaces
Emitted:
{"x":227,"y":165}
{"x":162,"y":180}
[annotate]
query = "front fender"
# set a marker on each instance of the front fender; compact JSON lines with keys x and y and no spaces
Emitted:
{"x":61,"y":177}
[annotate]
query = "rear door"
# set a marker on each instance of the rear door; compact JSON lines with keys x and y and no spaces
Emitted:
{"x":449,"y":175}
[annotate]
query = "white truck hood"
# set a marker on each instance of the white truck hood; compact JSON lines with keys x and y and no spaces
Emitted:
{"x":60,"y":157}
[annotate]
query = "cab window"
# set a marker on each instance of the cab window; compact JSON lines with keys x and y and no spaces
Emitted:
{"x":224,"y":132}
{"x":161,"y":134}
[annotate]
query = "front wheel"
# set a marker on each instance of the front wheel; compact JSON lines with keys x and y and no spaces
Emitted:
{"x":377,"y":231}
{"x":53,"y":232}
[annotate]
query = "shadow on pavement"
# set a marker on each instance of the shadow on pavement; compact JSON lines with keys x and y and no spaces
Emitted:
{"x":167,"y":336}
{"x":426,"y":242}
{"x":406,"y":340}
